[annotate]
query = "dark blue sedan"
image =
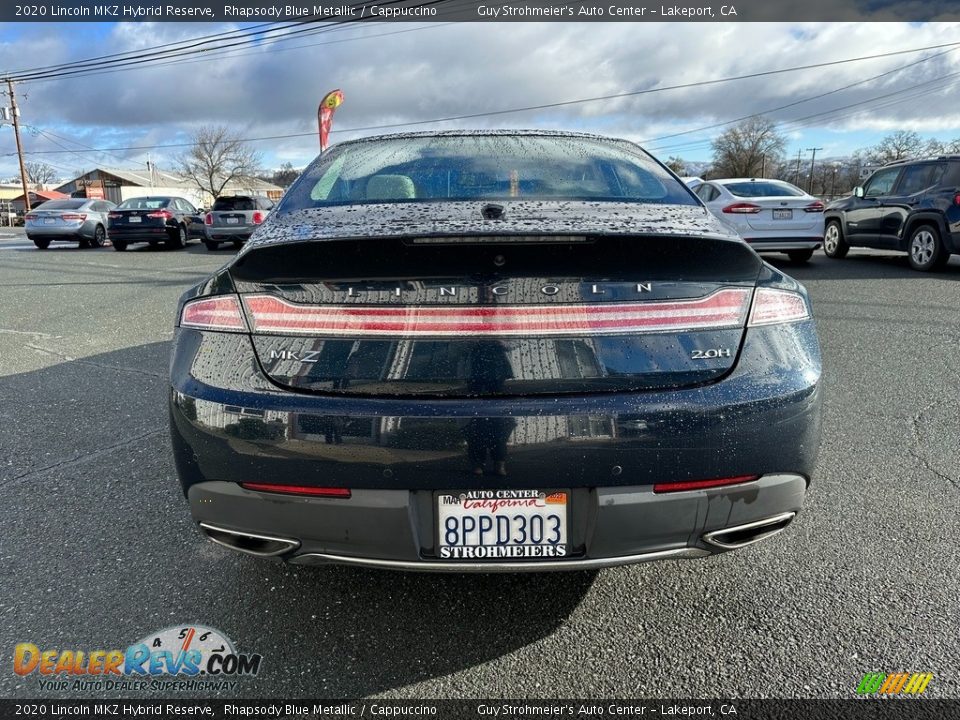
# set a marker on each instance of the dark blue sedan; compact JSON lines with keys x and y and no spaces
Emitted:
{"x":493,"y":351}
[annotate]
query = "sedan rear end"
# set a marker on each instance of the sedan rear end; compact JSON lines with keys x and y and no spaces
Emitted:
{"x":771,"y":215}
{"x":77,"y":220}
{"x":497,"y":351}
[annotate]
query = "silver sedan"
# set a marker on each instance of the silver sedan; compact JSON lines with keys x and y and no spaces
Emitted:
{"x":74,"y":220}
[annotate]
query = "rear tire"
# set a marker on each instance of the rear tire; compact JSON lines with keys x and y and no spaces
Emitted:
{"x":211,"y":244}
{"x":42,"y":244}
{"x":834,"y":245}
{"x":84,"y":243}
{"x":799,"y":256}
{"x":926,"y":249}
{"x":99,"y":238}
{"x":178,"y":238}
{"x":119,"y":245}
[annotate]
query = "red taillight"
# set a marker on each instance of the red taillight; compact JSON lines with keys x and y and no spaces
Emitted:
{"x":114,"y":216}
{"x":215,"y":313}
{"x":329,"y":492}
{"x":29,"y":216}
{"x":73,"y":217}
{"x":165,"y":214}
{"x":771,"y":306}
{"x":742,"y":209}
{"x":208,"y":219}
{"x":702,"y":484}
{"x":816,"y":206}
{"x":724,"y":308}
{"x":956,"y":199}
{"x":257,"y":217}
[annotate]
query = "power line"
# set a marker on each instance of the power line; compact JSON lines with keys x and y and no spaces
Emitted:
{"x":702,"y":83}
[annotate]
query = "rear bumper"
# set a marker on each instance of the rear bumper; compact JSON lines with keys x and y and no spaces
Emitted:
{"x":59,"y":234}
{"x":780,"y":244}
{"x":139,"y":235}
{"x":396,"y":529}
{"x":226,"y":233}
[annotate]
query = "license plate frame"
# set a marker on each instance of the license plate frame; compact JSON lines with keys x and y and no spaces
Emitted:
{"x":503,"y":503}
{"x":134,"y":219}
{"x":783,"y":214}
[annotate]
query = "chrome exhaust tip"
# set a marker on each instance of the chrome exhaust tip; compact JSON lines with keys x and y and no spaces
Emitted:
{"x":739,"y":536}
{"x":250,"y":543}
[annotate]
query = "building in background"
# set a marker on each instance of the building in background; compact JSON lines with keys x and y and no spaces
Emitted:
{"x":117,"y":185}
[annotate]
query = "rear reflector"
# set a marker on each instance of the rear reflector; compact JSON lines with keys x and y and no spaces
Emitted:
{"x":772,"y":306}
{"x":702,"y":484}
{"x":330,"y":492}
{"x":742,"y":209}
{"x":724,"y":308}
{"x":214,"y":313}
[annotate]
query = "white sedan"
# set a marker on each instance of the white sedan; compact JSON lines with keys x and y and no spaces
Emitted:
{"x":771,"y":215}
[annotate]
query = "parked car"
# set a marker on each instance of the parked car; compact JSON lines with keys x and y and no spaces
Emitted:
{"x":692,"y":182}
{"x":172,"y":221}
{"x":912,"y":206}
{"x":493,"y":351}
{"x":77,"y":220}
{"x":233,"y":218}
{"x":771,"y":215}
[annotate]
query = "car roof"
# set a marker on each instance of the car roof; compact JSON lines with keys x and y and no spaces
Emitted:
{"x":484,"y":133}
{"x":727,"y":181}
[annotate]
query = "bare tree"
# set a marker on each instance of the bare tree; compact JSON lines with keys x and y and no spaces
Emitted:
{"x":217,"y":158}
{"x":677,"y":164}
{"x":285,"y":176}
{"x":39,"y":173}
{"x":896,"y":146}
{"x":752,"y":148}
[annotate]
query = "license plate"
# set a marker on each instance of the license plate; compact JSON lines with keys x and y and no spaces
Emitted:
{"x":133,"y":218}
{"x":783,"y":214}
{"x":502,"y":525}
{"x":232,"y":221}
{"x":49,"y":221}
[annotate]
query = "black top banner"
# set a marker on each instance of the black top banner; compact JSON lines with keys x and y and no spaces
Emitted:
{"x":560,"y":709}
{"x":482,"y":11}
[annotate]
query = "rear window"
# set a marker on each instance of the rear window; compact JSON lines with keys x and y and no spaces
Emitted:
{"x":62,"y":204}
{"x":235,"y":203}
{"x":143,"y":204}
{"x":484,"y":167}
{"x":759,"y":188}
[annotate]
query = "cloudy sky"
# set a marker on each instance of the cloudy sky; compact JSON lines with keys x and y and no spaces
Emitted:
{"x":403,"y":73}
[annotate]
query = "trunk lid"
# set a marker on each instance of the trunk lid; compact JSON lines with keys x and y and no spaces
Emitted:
{"x":519,"y":313}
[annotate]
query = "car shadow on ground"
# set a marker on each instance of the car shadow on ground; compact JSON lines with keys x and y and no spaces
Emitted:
{"x":860,"y":265}
{"x":102,"y":518}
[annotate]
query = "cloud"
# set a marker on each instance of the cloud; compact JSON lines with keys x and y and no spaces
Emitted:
{"x":432,"y":71}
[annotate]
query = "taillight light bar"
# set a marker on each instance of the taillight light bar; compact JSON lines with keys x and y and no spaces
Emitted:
{"x":222,"y":312}
{"x":165,"y":214}
{"x":742,"y":208}
{"x":307,"y":490}
{"x":814,"y":207}
{"x":772,"y":306}
{"x":30,"y":216}
{"x":73,"y":216}
{"x":724,"y":308}
{"x":685,"y":486}
{"x":115,"y":216}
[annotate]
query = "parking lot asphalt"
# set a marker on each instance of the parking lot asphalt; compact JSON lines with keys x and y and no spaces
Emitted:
{"x":98,"y":548}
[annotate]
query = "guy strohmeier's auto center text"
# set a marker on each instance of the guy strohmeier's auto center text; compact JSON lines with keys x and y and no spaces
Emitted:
{"x":503,"y":11}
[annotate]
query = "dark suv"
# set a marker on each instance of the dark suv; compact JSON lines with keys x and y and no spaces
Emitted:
{"x":910,"y":205}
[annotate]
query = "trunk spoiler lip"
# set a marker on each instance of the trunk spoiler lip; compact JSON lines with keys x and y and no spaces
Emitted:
{"x":463,"y":218}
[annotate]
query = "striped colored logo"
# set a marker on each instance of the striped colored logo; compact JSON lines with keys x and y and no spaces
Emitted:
{"x":894,"y":683}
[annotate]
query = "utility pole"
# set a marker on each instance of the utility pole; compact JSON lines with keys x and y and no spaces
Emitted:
{"x":796,"y":175}
{"x":16,"y":134}
{"x":812,"y":161}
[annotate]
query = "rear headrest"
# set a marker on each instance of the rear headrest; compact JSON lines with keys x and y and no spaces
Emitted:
{"x":390,"y":187}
